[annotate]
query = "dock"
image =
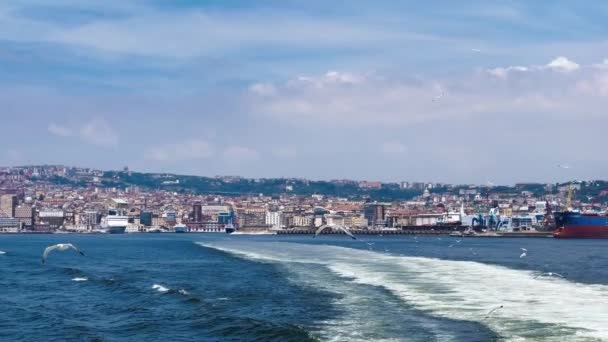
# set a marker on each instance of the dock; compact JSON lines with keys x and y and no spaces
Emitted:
{"x":416,"y":230}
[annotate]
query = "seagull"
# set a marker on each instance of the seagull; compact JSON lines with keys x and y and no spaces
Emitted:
{"x":563,"y":166}
{"x":438,"y":97}
{"x":472,"y":251}
{"x":60,"y":247}
{"x":451,"y":246}
{"x":549,"y":274}
{"x":342,"y":228}
{"x":2,"y":252}
{"x":492,"y":311}
{"x":476,"y":50}
{"x":524,"y":253}
{"x":458,"y":241}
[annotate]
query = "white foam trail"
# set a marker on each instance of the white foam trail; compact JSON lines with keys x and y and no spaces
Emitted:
{"x":160,"y":288}
{"x":543,"y":308}
{"x":80,"y":279}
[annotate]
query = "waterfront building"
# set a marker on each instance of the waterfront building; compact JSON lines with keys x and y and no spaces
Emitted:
{"x":54,"y":219}
{"x":145,"y":218}
{"x":170,"y":218}
{"x":197,"y":213}
{"x":25,"y":214}
{"x":302,"y":221}
{"x":274,"y":219}
{"x":375,"y":214}
{"x":334,"y":220}
{"x":9,"y":225}
{"x":90,"y":218}
{"x":8,"y":203}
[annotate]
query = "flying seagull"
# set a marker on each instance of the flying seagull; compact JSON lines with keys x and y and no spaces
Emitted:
{"x":60,"y":247}
{"x":476,"y":50}
{"x":439,"y":96}
{"x":342,"y":228}
{"x":549,"y":274}
{"x":524,"y":253}
{"x":563,"y":166}
{"x":492,"y":311}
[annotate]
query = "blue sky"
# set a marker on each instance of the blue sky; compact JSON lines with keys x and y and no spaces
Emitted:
{"x":470,"y":91}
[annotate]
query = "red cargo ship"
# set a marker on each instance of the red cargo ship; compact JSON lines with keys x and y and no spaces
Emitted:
{"x":572,"y":225}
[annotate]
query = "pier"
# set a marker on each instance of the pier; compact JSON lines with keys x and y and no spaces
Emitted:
{"x":417,"y":230}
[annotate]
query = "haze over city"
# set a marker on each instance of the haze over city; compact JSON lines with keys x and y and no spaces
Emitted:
{"x":487,"y":91}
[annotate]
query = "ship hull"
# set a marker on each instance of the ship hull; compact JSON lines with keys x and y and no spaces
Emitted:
{"x":117,"y":230}
{"x":581,"y":226}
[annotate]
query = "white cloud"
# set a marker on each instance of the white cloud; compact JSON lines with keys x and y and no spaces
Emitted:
{"x":59,"y":130}
{"x":361,"y":99}
{"x":239,"y":154}
{"x":563,"y":64}
{"x":603,"y":65}
{"x":504,"y":72}
{"x":393,"y":148}
{"x":187,"y":150}
{"x":98,"y":132}
{"x":560,"y":64}
{"x":342,"y":77}
{"x":263,"y":89}
{"x":95,"y":132}
{"x":285,"y":152}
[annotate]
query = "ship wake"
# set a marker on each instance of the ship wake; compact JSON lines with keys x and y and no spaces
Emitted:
{"x":544,"y":308}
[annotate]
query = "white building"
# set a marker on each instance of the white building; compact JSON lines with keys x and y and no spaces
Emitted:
{"x":274,"y":219}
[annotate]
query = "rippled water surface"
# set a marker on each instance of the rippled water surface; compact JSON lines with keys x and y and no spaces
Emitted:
{"x":216,"y":287}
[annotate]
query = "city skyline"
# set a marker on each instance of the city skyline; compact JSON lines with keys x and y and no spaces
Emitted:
{"x":474,"y":93}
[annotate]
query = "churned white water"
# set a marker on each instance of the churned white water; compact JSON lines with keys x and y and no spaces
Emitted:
{"x":545,"y":308}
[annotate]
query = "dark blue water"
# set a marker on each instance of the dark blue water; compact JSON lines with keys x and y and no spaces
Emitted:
{"x":215,"y":287}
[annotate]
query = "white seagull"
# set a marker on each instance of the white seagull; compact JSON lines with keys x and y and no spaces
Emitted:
{"x":549,"y":274}
{"x":439,"y":96}
{"x":563,"y":166}
{"x":493,"y":310}
{"x":60,"y":247}
{"x":476,"y":50}
{"x":2,"y":252}
{"x":342,"y":228}
{"x":524,"y":253}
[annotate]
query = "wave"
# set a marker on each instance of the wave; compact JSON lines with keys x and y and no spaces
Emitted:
{"x":2,"y":252}
{"x":80,"y":279}
{"x":160,"y":288}
{"x":544,"y":308}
